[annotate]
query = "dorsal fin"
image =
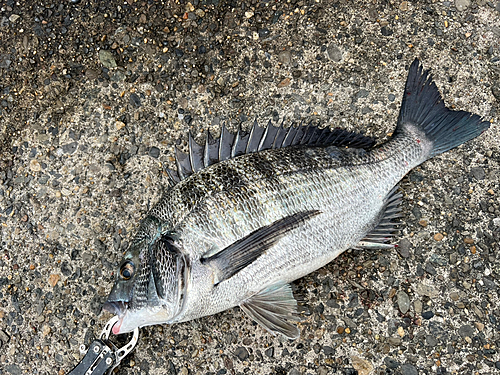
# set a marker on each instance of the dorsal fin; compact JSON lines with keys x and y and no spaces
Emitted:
{"x":225,"y":144}
{"x":240,"y":143}
{"x":211,"y":150}
{"x":230,"y":145}
{"x":196,"y":153}
{"x":280,"y":137}
{"x":255,"y":138}
{"x":183,"y":164}
{"x":267,"y":139}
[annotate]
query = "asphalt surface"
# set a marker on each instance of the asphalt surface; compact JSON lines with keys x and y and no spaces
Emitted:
{"x":93,"y":98}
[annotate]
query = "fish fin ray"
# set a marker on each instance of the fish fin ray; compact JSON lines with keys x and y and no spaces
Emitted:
{"x":302,"y":136}
{"x":226,"y":143}
{"x":280,"y":136}
{"x":273,"y":309}
{"x":240,"y":143}
{"x":386,"y":225}
{"x":183,"y":164}
{"x":246,"y":250}
{"x":290,"y":135}
{"x":371,"y":245}
{"x":255,"y":137}
{"x":268,"y":137}
{"x":211,"y":153}
{"x":196,"y":153}
{"x":173,"y":175}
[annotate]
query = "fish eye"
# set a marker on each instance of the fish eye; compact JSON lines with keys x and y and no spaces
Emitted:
{"x":127,"y":270}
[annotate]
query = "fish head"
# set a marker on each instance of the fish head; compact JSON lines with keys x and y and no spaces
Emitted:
{"x":151,"y":285}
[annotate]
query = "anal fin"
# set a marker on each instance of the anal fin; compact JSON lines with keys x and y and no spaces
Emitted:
{"x":273,"y":308}
{"x":386,"y":228}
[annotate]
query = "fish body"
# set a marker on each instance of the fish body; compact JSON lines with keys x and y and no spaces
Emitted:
{"x":237,"y":229}
{"x":259,"y":189}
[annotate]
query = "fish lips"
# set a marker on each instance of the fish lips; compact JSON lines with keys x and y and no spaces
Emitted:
{"x":116,"y":307}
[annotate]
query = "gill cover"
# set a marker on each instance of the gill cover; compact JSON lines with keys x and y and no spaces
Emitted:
{"x":169,"y":273}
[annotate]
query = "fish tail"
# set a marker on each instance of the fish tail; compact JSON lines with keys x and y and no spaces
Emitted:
{"x":423,"y":111}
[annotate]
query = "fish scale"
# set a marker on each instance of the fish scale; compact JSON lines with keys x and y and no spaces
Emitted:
{"x":251,"y":212}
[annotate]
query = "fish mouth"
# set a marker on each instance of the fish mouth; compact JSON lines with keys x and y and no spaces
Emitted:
{"x":116,"y":307}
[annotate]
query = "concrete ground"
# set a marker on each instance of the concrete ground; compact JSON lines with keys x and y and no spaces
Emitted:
{"x":94,"y":96}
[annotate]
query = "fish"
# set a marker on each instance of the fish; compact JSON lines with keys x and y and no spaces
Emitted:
{"x":248,"y":213}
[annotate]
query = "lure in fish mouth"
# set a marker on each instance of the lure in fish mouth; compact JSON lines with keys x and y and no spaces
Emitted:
{"x":248,"y":213}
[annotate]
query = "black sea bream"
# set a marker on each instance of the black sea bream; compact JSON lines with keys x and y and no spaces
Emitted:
{"x":250,"y":213}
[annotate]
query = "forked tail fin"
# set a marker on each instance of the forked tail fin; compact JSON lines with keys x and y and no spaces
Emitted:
{"x":423,"y":109}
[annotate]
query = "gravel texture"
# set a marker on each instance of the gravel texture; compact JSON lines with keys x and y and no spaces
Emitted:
{"x":95,"y":94}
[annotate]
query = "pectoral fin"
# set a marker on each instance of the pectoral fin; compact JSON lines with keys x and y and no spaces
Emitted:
{"x":273,"y":308}
{"x":243,"y":252}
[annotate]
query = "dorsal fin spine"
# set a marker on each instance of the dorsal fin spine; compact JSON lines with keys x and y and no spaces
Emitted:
{"x":173,"y":175}
{"x":264,"y":136}
{"x":183,"y":168}
{"x":226,"y":143}
{"x":290,"y":135}
{"x":230,"y":145}
{"x":206,"y":152}
{"x":280,"y":137}
{"x":195,"y":154}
